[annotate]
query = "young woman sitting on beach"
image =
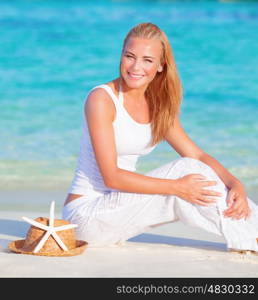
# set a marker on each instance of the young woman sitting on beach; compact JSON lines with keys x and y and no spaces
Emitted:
{"x":127,"y":118}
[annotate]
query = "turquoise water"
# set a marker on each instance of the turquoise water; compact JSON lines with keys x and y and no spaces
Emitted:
{"x":53,"y":52}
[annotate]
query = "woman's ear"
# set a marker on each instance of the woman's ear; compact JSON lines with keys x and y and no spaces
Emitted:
{"x":160,"y":68}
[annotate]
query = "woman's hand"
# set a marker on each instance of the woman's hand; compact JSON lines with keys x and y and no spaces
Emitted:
{"x":237,"y":202}
{"x":191,"y":188}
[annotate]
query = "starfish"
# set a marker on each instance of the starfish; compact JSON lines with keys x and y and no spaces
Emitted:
{"x":50,"y":229}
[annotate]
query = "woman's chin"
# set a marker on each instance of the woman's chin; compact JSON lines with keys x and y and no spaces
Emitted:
{"x":134,"y":84}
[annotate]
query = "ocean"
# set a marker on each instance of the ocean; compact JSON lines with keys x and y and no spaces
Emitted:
{"x":53,"y":52}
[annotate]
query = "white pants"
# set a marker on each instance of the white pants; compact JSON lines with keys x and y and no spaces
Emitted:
{"x":115,"y":217}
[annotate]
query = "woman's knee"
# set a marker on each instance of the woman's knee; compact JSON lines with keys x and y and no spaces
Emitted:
{"x":188,"y":165}
{"x":197,"y":166}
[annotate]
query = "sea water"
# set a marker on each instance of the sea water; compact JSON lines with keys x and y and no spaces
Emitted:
{"x":53,"y":52}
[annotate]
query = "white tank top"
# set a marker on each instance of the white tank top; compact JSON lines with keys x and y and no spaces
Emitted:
{"x":132,"y":140}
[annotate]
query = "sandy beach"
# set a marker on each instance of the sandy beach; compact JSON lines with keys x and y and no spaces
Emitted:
{"x":170,"y":250}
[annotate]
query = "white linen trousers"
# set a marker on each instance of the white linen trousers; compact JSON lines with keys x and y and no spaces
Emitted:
{"x":114,"y":217}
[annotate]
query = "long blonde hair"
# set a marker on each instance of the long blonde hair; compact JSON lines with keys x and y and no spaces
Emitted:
{"x":164,"y":93}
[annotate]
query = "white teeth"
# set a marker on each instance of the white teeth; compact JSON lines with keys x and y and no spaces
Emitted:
{"x":135,"y":76}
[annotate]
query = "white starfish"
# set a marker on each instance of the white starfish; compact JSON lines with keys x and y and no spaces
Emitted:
{"x":50,"y":229}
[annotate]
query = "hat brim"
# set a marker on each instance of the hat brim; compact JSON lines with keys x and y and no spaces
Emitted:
{"x":16,"y":246}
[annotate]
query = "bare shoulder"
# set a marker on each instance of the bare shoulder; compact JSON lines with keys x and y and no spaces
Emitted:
{"x":98,"y":95}
{"x":100,"y":102}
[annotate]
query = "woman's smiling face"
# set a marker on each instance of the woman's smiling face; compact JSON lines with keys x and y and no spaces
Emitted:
{"x":140,"y":61}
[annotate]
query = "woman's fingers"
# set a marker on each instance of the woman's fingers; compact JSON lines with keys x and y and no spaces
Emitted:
{"x":208,"y":192}
{"x":241,"y":215}
{"x":202,"y":203}
{"x":237,"y":211}
{"x":210,"y":200}
{"x":206,"y":200}
{"x":198,"y":176}
{"x":211,"y":193}
{"x":198,"y":194}
{"x":202,"y":196}
{"x":208,"y":183}
{"x":204,"y":184}
{"x":230,"y":198}
{"x":230,"y":211}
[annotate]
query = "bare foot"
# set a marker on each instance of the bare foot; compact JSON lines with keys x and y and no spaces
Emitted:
{"x":239,"y":251}
{"x":243,"y":251}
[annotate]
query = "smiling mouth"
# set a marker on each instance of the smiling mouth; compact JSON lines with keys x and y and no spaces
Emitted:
{"x":135,"y":76}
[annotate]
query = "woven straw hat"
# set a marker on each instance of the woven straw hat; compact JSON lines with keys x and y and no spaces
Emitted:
{"x":50,"y":247}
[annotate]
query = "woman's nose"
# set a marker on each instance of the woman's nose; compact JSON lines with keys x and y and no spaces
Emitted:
{"x":136,"y":65}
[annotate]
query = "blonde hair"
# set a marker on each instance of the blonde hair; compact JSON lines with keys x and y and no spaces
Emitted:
{"x":164,"y":93}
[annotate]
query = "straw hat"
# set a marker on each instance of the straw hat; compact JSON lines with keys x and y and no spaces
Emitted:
{"x":51,"y":247}
{"x":49,"y":237}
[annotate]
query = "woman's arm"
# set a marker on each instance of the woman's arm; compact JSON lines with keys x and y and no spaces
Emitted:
{"x":182,"y":143}
{"x":184,"y":146}
{"x":100,"y":113}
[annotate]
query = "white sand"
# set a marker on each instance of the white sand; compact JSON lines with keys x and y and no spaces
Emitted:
{"x":171,"y":250}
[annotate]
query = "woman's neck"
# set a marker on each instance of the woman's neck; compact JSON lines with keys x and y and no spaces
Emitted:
{"x":137,"y":94}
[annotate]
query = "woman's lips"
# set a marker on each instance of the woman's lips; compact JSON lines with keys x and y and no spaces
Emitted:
{"x":135,"y":76}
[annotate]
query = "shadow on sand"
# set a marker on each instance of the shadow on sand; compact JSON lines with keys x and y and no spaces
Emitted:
{"x":19,"y":229}
{"x":176,"y":241}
